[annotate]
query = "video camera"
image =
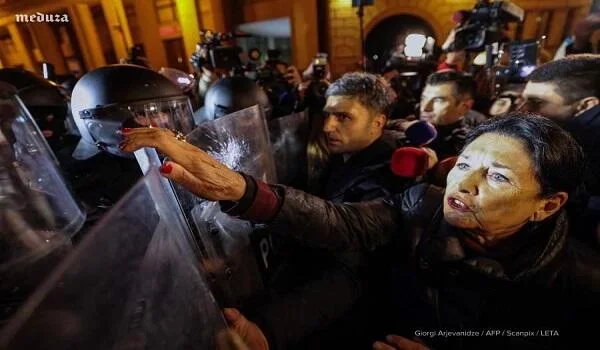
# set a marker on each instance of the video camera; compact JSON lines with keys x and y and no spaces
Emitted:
{"x":273,"y":70}
{"x":271,"y":78}
{"x":523,"y":60}
{"x":211,"y":53}
{"x":317,"y":86}
{"x":409,"y":82}
{"x":315,"y":95}
{"x":484,"y":24}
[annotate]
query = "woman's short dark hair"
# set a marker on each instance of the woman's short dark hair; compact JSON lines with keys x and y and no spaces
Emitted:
{"x":557,"y":158}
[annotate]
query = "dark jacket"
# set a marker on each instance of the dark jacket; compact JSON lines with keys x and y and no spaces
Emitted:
{"x":585,"y":128}
{"x":304,"y":273}
{"x":450,"y":139}
{"x":547,"y":284}
{"x":365,"y":176}
{"x":585,"y":210}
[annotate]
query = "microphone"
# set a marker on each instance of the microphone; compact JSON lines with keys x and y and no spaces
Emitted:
{"x":421,"y":133}
{"x":409,"y":162}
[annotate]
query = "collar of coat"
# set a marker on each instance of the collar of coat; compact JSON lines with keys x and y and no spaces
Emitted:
{"x":532,"y":249}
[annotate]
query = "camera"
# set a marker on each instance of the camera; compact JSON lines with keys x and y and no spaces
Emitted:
{"x":409,"y":81}
{"x":315,"y":93}
{"x":271,"y":78}
{"x":485,"y":23}
{"x":317,"y":86}
{"x":320,"y":66}
{"x":211,"y":53}
{"x":523,"y":60}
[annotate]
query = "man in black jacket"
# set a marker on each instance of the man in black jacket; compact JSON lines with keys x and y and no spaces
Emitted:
{"x":446,"y":102}
{"x":486,"y":264}
{"x":355,"y":116}
{"x":358,"y":170}
{"x":567,"y":91}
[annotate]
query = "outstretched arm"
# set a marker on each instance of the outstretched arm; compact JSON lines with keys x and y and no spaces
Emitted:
{"x":290,"y":212}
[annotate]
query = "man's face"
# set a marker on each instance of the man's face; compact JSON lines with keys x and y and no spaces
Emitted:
{"x":441,"y":106}
{"x":542,"y":98}
{"x":348,"y":125}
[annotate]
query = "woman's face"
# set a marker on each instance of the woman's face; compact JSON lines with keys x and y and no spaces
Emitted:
{"x":492,"y":190}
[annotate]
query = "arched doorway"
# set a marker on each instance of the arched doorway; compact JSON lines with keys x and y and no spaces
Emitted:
{"x":384,"y":38}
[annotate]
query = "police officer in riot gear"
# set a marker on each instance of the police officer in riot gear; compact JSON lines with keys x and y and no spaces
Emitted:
{"x":102,"y":103}
{"x":38,"y":215}
{"x":231,"y":94}
{"x":45,"y":102}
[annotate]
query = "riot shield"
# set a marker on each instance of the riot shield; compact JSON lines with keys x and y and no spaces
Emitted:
{"x":233,"y":254}
{"x":132,"y":283}
{"x":289,"y":138}
{"x":38,"y":215}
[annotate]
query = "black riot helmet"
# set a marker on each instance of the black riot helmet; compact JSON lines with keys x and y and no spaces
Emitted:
{"x":231,"y":94}
{"x":43,"y":100}
{"x":125,"y":96}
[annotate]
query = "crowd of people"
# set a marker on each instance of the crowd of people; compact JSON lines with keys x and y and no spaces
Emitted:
{"x":510,"y":243}
{"x":500,"y":230}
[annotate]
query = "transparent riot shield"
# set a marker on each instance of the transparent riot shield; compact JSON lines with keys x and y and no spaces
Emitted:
{"x":38,"y":215}
{"x":234,"y":255}
{"x":289,"y":138}
{"x":132,"y":283}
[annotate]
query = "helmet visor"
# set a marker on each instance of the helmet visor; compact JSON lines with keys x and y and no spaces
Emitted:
{"x":104,"y":124}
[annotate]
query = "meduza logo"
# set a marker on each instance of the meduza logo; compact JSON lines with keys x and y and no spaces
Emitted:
{"x":42,"y":17}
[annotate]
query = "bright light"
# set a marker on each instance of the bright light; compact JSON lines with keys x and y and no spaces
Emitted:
{"x":414,"y":45}
{"x":430,"y":45}
{"x":416,"y":40}
{"x":413,"y":51}
{"x":526,"y":70}
{"x":183,"y":80}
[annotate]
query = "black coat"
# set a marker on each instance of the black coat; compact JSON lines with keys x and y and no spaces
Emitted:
{"x":304,"y":273}
{"x":585,"y":128}
{"x":365,"y":176}
{"x":585,"y":210}
{"x":437,"y":283}
{"x":450,"y":139}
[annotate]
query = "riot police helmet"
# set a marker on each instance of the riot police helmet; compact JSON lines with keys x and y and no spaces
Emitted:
{"x":118,"y":96}
{"x":231,"y":94}
{"x":43,"y":100}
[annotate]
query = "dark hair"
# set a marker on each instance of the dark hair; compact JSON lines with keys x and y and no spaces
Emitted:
{"x":371,"y":91}
{"x":557,"y":158}
{"x":575,"y":77}
{"x":463,"y":83}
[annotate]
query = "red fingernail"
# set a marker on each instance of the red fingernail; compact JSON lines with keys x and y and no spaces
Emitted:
{"x":166,"y":168}
{"x":153,"y":124}
{"x":125,"y":129}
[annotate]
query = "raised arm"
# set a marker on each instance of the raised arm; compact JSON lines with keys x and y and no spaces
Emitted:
{"x":290,"y":212}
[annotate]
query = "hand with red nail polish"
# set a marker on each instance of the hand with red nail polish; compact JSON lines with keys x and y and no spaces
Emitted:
{"x":188,"y":165}
{"x":166,"y":168}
